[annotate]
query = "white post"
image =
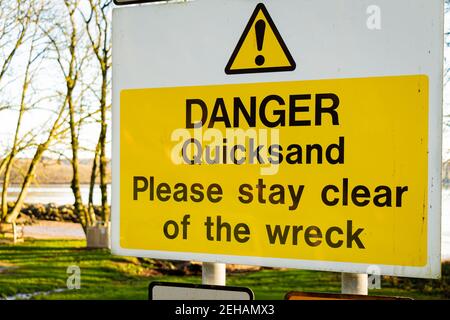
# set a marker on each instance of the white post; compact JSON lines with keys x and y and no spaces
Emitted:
{"x":354,"y":283}
{"x":214,"y":273}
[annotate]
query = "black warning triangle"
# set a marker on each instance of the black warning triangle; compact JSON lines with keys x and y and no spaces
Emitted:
{"x":260,"y":48}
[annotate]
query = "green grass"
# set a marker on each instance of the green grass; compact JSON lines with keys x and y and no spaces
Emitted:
{"x":40,"y":266}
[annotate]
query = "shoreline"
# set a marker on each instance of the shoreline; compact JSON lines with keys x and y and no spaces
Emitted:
{"x":31,"y":212}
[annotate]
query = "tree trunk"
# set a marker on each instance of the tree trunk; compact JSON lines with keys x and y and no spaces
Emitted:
{"x":12,"y":216}
{"x":6,"y":178}
{"x":4,"y":209}
{"x":71,"y":80}
{"x":75,"y":184}
{"x":103,"y":159}
{"x":101,"y":47}
{"x":92,"y":185}
{"x":3,"y":165}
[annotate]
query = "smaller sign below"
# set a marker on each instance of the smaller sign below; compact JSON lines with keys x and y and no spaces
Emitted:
{"x":187,"y":291}
{"x":295,"y":295}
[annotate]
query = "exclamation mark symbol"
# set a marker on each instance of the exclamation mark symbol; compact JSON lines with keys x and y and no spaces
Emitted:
{"x":260,"y":29}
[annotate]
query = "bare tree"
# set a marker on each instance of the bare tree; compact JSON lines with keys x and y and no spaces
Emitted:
{"x":15,"y":17}
{"x":69,"y":47}
{"x":41,"y":148}
{"x":99,"y":34}
{"x":71,"y":74}
{"x":35,"y":52}
{"x":70,"y":55}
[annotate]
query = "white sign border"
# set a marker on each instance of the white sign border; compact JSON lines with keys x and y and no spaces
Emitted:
{"x":431,"y":270}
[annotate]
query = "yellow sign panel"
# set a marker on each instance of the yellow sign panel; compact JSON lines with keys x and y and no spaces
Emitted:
{"x":261,"y":47}
{"x":326,"y":170}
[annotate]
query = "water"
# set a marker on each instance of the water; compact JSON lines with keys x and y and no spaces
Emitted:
{"x":62,"y":194}
{"x":58,"y":194}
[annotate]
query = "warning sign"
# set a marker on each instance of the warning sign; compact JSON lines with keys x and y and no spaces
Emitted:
{"x":260,"y":48}
{"x":334,"y":165}
{"x":294,"y":180}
